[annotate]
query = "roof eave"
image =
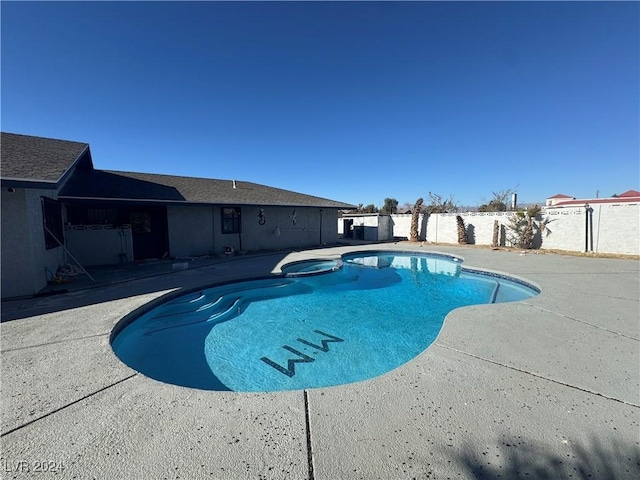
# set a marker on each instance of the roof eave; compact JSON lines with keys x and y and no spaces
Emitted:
{"x":8,"y":182}
{"x":191,"y":202}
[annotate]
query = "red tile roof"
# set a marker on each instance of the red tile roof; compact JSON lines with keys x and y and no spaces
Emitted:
{"x":626,"y":197}
{"x":597,"y":200}
{"x":629,"y":193}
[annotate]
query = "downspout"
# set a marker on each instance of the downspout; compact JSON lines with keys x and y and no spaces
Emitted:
{"x":588,"y":227}
{"x":320,"y":227}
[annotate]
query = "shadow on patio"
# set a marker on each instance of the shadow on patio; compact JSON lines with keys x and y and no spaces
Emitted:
{"x":522,"y":458}
{"x":122,"y":281}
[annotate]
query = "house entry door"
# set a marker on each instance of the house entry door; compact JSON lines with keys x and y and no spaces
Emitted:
{"x":149,"y":228}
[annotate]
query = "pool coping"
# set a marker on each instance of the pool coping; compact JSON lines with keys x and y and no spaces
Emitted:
{"x":498,"y":372}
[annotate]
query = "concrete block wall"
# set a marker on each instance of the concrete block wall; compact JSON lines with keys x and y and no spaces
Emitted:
{"x":443,"y":227}
{"x":565,"y":229}
{"x":614,"y":228}
{"x":401,"y":225}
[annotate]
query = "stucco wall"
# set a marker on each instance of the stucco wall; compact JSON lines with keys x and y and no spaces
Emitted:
{"x":191,"y":230}
{"x":197,"y":230}
{"x":96,"y":245}
{"x":51,"y":258}
{"x":24,"y":256}
{"x":17,"y":261}
{"x":279,"y":230}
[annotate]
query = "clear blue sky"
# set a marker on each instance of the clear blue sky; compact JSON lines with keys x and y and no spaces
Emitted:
{"x":352,"y":101}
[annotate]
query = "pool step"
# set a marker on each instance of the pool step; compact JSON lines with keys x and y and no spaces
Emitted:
{"x":494,"y":294}
{"x":227,"y":305}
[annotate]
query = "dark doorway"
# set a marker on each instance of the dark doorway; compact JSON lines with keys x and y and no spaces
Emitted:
{"x":149,"y":228}
{"x":347,"y":231}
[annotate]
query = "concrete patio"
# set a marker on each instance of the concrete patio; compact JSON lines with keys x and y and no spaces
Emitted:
{"x":546,"y":388}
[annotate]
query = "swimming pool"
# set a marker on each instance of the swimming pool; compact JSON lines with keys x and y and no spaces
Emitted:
{"x":320,"y":323}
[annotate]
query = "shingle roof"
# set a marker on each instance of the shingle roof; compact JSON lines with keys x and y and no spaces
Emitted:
{"x":103,"y":184}
{"x":37,"y":159}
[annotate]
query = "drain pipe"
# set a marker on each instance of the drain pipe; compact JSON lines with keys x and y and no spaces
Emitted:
{"x":320,"y":227}
{"x":588,"y":227}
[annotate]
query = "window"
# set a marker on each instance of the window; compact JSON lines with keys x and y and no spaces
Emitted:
{"x":52,"y":223}
{"x":81,"y":215}
{"x":230,"y":220}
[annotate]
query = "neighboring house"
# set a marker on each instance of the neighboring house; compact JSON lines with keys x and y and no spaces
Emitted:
{"x":560,"y":200}
{"x":560,"y":197}
{"x":52,"y":195}
{"x":603,"y":225}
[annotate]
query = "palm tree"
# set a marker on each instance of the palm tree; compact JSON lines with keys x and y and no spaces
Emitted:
{"x":415,"y":215}
{"x":463,"y":238}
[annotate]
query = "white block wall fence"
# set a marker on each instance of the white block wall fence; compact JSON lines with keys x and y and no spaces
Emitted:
{"x":601,"y":228}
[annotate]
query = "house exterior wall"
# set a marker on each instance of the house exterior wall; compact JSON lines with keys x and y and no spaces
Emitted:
{"x":51,"y":258}
{"x":279,"y":231}
{"x":223,"y":240}
{"x":17,"y":261}
{"x":197,"y":230}
{"x":24,"y":255}
{"x":191,"y":230}
{"x":93,"y":245}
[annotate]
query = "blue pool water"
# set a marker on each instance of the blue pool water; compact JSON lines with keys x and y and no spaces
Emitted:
{"x":343,"y":322}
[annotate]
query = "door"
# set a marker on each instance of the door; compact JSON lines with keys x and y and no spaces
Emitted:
{"x":347,"y":232}
{"x":149,"y":228}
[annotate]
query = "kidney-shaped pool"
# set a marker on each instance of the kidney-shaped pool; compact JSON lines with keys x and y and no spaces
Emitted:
{"x":319,"y":323}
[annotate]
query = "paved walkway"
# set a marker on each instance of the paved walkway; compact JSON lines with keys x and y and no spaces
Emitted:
{"x":545,"y":388}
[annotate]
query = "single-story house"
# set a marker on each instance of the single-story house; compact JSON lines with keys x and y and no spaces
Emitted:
{"x":56,"y":205}
{"x":561,"y":200}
